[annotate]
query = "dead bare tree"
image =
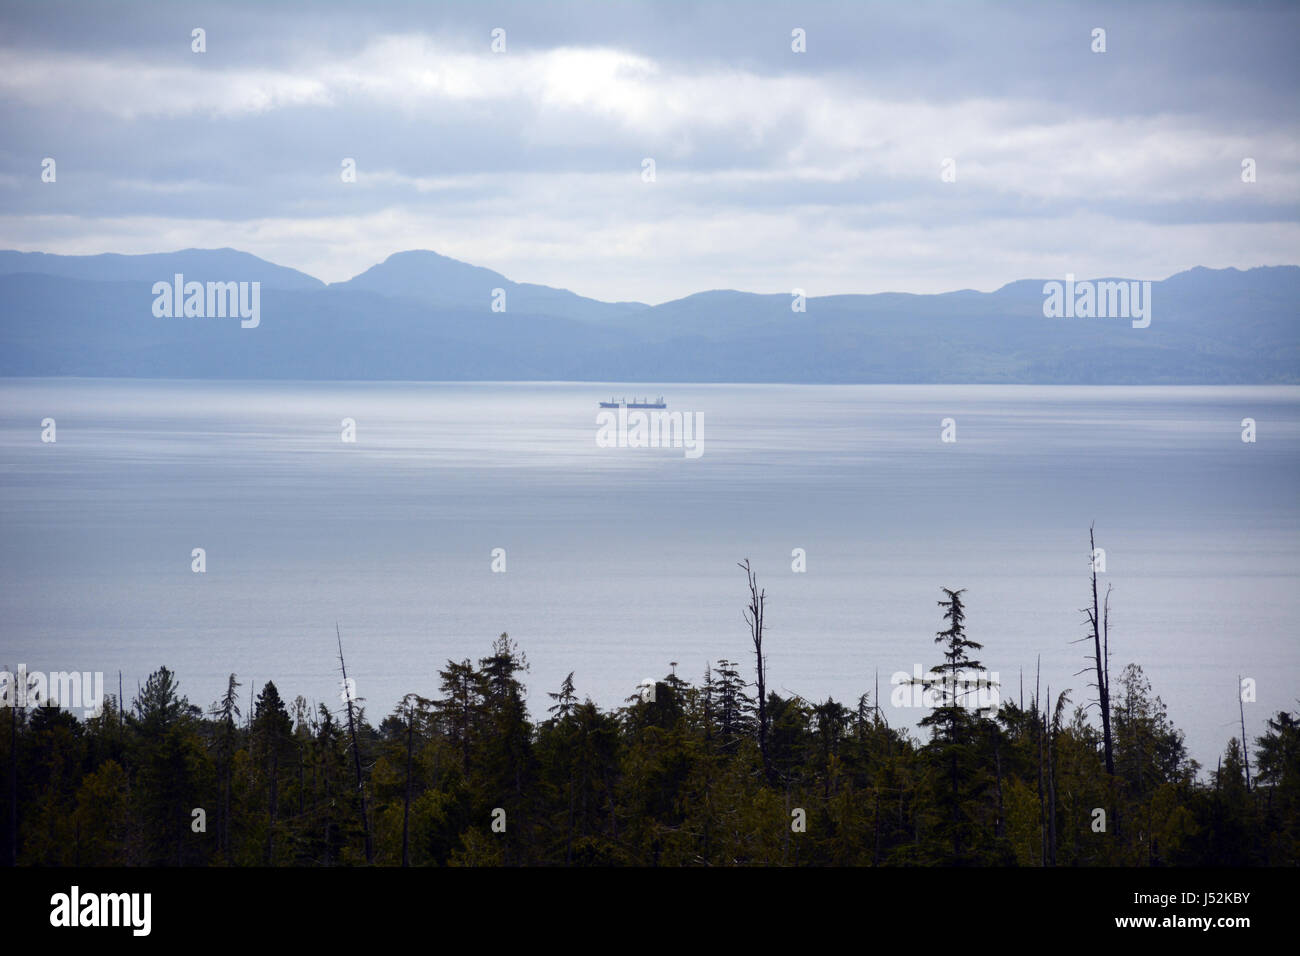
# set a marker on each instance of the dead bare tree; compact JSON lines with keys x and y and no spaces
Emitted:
{"x":754,"y":618}
{"x":1039,"y":723}
{"x":1099,"y":622}
{"x":356,"y":751}
{"x":406,"y":797}
{"x":1245,"y":751}
{"x":1053,"y":731}
{"x":1099,"y":619}
{"x":13,"y":771}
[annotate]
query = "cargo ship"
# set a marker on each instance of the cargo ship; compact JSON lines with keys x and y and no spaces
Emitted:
{"x":635,"y":403}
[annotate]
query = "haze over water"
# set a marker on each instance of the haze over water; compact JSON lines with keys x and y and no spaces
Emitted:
{"x":621,"y":560}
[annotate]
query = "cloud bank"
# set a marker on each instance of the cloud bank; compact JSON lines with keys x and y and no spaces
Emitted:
{"x":913,"y":148}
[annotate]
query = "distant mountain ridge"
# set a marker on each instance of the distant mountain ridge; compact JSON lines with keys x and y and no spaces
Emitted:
{"x":445,"y":282}
{"x":214,"y":264}
{"x":423,"y":316}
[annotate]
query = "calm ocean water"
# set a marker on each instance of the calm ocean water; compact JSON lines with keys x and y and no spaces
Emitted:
{"x":621,"y":560}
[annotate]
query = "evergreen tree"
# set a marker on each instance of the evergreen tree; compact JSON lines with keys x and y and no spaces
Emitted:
{"x":227,"y":714}
{"x":273,"y":744}
{"x":955,"y":730}
{"x":566,"y":701}
{"x":172,"y":772}
{"x":1277,"y":775}
{"x":677,"y":778}
{"x":459,"y":711}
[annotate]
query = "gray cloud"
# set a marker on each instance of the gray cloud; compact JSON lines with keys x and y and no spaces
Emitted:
{"x":774,"y":169}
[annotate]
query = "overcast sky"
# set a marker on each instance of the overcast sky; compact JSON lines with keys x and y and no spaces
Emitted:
{"x":774,"y":169}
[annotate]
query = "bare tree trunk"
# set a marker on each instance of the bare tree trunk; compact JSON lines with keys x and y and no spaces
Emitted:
{"x":356,"y":754}
{"x":406,"y":801}
{"x":1101,"y":657}
{"x":754,"y":618}
{"x":1105,"y":652}
{"x":1051,"y":787}
{"x":1038,"y":727}
{"x":13,"y":779}
{"x":1245,"y":753}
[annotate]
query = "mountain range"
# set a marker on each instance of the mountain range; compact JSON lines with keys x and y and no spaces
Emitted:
{"x":422,"y":316}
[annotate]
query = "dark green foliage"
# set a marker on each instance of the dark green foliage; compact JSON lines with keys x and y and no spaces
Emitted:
{"x":958,"y":776}
{"x":674,"y":777}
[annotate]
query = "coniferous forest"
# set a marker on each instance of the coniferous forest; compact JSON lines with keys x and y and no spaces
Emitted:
{"x":721,"y":771}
